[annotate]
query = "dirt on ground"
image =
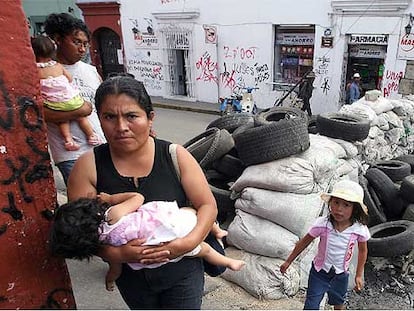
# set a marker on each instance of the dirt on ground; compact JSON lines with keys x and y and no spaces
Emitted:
{"x":389,"y":285}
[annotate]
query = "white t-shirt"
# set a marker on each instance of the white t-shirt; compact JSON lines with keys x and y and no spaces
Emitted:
{"x":87,"y":79}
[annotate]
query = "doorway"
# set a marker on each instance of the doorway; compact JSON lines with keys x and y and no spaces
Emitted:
{"x":109,"y":51}
{"x":178,"y":50}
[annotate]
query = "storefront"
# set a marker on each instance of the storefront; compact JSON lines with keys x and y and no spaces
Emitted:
{"x":294,"y":51}
{"x":366,"y":55}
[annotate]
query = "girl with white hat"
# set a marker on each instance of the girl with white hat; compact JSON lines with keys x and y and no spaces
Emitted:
{"x":344,"y":227}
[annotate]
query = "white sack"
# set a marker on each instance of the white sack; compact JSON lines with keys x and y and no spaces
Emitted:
{"x":260,"y":236}
{"x":294,"y":212}
{"x":320,"y":142}
{"x":290,"y":174}
{"x":381,"y":105}
{"x":393,"y":119}
{"x":350,"y":148}
{"x":261,"y":277}
{"x":360,"y":110}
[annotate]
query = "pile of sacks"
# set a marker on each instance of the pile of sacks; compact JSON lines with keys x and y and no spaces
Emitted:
{"x":392,"y":126}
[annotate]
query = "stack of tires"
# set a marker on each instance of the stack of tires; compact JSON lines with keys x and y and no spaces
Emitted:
{"x":235,"y":141}
{"x":389,"y":195}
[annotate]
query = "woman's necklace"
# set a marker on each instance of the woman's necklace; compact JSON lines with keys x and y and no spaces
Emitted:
{"x":47,"y":64}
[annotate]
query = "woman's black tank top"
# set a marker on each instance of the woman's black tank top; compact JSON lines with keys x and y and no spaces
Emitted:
{"x":161,"y":184}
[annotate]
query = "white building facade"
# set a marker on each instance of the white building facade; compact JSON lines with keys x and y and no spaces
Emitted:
{"x":202,"y":50}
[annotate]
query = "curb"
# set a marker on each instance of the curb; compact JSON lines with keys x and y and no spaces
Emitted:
{"x":185,"y":108}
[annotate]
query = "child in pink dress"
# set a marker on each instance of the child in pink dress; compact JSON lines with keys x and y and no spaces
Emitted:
{"x":344,"y":228}
{"x":82,"y":226}
{"x":58,"y":92}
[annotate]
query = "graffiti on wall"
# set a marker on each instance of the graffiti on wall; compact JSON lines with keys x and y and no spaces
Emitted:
{"x":391,"y":82}
{"x":321,"y":69}
{"x":168,"y":1}
{"x":207,"y":68}
{"x":143,"y":32}
{"x":241,"y":69}
{"x":21,"y":170}
{"x":148,"y":71}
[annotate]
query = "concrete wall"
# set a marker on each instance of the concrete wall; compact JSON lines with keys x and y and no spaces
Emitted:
{"x":244,"y":53}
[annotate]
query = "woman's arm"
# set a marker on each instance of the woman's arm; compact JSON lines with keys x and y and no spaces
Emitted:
{"x":299,"y":247}
{"x":198,"y":192}
{"x":362,"y":258}
{"x":54,"y":116}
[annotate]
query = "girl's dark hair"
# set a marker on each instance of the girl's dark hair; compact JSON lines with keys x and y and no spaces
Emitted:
{"x":64,"y":24}
{"x":358,"y":215}
{"x":124,"y":85}
{"x":43,"y":47}
{"x":75,"y":230}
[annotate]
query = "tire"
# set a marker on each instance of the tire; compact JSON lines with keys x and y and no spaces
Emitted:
{"x":242,"y":128}
{"x":407,"y":188}
{"x":346,"y":127}
{"x":225,"y":204}
{"x":407,"y":158}
{"x":312,"y":125}
{"x":394,"y":238}
{"x":386,"y":191}
{"x":275,"y":114}
{"x":231,"y":122}
{"x":409,"y":213}
{"x":230,"y":166}
{"x":272,"y":141}
{"x":396,"y":170}
{"x":375,"y":213}
{"x":210,"y":145}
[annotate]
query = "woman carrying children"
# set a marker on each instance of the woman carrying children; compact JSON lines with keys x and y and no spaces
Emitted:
{"x":339,"y":232}
{"x":134,"y":161}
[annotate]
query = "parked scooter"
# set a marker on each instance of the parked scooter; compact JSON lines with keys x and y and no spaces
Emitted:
{"x":230,"y":104}
{"x":239,"y":103}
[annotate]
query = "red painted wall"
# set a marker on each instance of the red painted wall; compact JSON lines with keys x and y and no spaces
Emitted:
{"x":29,"y":277}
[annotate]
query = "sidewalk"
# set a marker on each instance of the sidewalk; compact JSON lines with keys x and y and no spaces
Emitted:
{"x":195,"y":106}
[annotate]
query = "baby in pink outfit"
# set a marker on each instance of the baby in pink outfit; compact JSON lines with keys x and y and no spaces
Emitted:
{"x":82,"y":226}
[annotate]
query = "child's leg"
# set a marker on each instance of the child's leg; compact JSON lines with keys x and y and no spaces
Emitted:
{"x":113,"y":273}
{"x":70,"y":144}
{"x":318,"y":285}
{"x":86,"y":127}
{"x":338,"y":290}
{"x":218,"y":232}
{"x":215,"y":258}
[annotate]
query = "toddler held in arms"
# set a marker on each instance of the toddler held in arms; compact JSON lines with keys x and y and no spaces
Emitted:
{"x":82,"y":226}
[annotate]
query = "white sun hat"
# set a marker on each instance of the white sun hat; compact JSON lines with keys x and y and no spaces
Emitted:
{"x":347,"y":190}
{"x":356,"y":75}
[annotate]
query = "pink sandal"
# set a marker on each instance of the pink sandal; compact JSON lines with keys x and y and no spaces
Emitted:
{"x":71,"y":146}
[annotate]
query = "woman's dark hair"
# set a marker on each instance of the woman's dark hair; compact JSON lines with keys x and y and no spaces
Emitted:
{"x":64,"y":24}
{"x":75,"y":230}
{"x":43,"y":47}
{"x":124,"y":85}
{"x":358,"y":215}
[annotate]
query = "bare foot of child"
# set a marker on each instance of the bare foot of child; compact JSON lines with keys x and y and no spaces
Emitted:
{"x":236,"y":265}
{"x":110,"y":285}
{"x":94,"y":140}
{"x":71,"y":146}
{"x":220,"y":233}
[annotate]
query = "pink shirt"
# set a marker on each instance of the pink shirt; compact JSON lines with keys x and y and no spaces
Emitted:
{"x":332,"y":240}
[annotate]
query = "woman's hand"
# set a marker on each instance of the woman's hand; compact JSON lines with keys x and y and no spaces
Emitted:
{"x":175,"y":248}
{"x":133,"y":251}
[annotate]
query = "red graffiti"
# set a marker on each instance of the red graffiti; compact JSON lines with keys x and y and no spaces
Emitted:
{"x":392,"y":79}
{"x":227,"y":79}
{"x":208,"y":69}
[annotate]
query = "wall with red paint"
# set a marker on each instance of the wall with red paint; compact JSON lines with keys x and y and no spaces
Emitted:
{"x":29,"y":277}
